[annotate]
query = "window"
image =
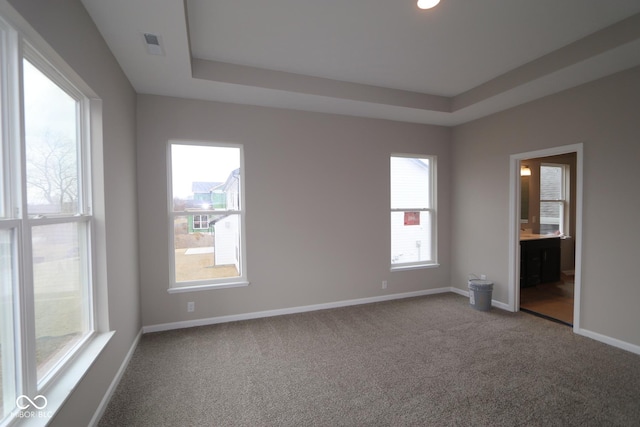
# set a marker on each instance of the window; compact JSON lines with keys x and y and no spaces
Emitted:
{"x":201,"y":222}
{"x":553,"y":199}
{"x":413,"y":213}
{"x":206,"y":209}
{"x":48,"y":330}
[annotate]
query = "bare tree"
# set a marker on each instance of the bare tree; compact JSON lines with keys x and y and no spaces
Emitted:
{"x":52,"y":171}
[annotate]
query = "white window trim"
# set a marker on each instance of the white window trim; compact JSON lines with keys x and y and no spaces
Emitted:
{"x":209,"y":284}
{"x":57,"y":386}
{"x":433,"y":172}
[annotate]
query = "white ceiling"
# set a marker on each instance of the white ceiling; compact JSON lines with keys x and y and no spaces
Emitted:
{"x":373,"y":58}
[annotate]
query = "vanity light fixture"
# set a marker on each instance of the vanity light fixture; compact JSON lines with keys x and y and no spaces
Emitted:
{"x":427,"y":4}
{"x":525,"y":170}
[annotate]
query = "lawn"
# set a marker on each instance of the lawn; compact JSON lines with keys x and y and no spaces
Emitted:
{"x":200,"y":266}
{"x":194,"y":255}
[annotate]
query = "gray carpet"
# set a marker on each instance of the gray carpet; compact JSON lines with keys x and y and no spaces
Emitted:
{"x":429,"y":361}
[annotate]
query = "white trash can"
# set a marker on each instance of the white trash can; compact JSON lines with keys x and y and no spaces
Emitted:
{"x":480,"y":294}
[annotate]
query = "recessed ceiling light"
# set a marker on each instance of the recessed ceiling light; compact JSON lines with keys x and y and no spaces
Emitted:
{"x":427,"y":4}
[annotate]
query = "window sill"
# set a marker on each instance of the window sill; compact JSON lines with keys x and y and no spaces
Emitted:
{"x":59,"y":390}
{"x":413,"y":267}
{"x":195,"y":288}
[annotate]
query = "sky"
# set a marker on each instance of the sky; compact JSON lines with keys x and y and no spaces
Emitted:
{"x":50,"y":120}
{"x":201,"y":163}
{"x":47,"y":107}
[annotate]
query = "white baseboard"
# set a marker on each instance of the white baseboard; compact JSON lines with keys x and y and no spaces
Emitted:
{"x":292,"y":310}
{"x":608,"y":340}
{"x":460,"y":292}
{"x":278,"y":312}
{"x":114,"y":383}
{"x":500,"y":305}
{"x":494,"y":303}
{"x":589,"y":334}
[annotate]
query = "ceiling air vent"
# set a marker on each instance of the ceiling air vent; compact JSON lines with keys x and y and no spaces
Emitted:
{"x":153,"y":44}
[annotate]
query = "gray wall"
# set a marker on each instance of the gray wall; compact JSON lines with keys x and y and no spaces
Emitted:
{"x":604,"y":116}
{"x":71,"y":32}
{"x":317,"y":202}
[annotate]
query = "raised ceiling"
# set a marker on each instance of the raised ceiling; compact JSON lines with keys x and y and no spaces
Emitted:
{"x":372,"y":58}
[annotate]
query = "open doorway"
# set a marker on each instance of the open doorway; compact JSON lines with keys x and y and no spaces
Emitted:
{"x":545,"y":240}
{"x":547,"y":230}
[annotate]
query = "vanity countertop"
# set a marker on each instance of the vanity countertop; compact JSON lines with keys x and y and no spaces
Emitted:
{"x":529,"y":236}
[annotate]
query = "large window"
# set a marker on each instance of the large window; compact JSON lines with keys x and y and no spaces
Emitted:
{"x":207,"y":216}
{"x":46,"y":283}
{"x":554,"y":179}
{"x":413,"y":211}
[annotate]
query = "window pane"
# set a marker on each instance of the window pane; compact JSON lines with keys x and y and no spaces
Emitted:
{"x":210,"y":254}
{"x":551,"y":214}
{"x":205,"y":177}
{"x":51,"y":138}
{"x":551,"y":189}
{"x":7,"y":356}
{"x":410,"y":184}
{"x":61,"y":278}
{"x":550,"y":183}
{"x":410,"y":237}
{"x":206,"y":180}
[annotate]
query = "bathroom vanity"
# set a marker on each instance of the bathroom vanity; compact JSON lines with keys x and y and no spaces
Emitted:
{"x":539,"y":259}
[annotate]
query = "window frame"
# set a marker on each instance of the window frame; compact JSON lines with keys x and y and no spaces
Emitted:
{"x":206,"y":284}
{"x":19,"y":43}
{"x":431,"y":209}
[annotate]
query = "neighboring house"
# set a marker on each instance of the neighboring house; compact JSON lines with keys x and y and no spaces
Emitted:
{"x":227,"y":228}
{"x":206,"y":195}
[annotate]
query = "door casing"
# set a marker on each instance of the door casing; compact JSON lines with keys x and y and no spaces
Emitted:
{"x":514,"y":224}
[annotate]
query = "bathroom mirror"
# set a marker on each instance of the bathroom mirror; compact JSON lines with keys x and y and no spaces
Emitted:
{"x":524,"y":199}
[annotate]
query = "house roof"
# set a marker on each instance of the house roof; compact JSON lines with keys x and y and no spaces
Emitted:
{"x":203,"y":186}
{"x":233,"y":176}
{"x":374,"y":58}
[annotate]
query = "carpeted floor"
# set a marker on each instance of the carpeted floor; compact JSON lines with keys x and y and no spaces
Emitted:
{"x":430,"y":361}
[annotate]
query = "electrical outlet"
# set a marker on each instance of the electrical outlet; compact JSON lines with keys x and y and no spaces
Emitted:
{"x":191,"y":306}
{"x":483,"y":277}
{"x":384,"y":284}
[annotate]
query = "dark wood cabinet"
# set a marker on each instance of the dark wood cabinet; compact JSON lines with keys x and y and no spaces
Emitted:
{"x":539,"y":261}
